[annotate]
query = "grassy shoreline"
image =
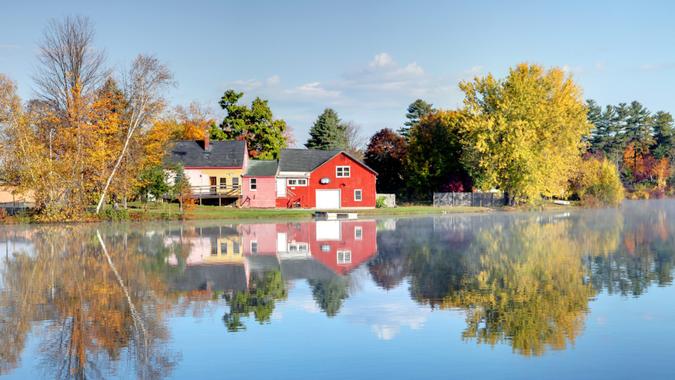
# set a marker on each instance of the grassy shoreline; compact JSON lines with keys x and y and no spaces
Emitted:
{"x":171,"y":212}
{"x":138,"y":212}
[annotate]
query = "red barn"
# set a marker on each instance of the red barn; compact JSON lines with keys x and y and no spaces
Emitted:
{"x":310,"y":178}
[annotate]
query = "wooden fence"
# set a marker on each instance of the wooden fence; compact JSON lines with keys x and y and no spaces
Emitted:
{"x":469,"y":199}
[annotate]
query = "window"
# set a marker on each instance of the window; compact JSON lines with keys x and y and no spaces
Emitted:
{"x":358,"y":195}
{"x":298,"y":247}
{"x":223,"y":248}
{"x":358,"y":233}
{"x":235,"y":248}
{"x":297,"y":182}
{"x":254,"y":184}
{"x":235,"y":182}
{"x":254,"y":247}
{"x":342,"y":171}
{"x":213,"y":184}
{"x":223,"y":183}
{"x":344,"y":257}
{"x":325,"y":248}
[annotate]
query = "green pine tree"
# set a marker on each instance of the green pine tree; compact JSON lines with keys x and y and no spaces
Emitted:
{"x":664,"y":134}
{"x":328,"y":132}
{"x":416,"y":110}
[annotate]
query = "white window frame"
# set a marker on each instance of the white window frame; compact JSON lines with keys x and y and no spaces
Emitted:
{"x":358,"y":233}
{"x":251,"y":183}
{"x":343,"y":257}
{"x":299,"y":182}
{"x":254,"y":251}
{"x":340,"y":171}
{"x":360,"y":198}
{"x":297,"y":247}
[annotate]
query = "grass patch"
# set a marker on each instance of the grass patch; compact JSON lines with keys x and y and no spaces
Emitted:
{"x":170,"y":211}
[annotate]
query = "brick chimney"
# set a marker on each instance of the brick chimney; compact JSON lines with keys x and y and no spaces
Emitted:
{"x":207,"y":143}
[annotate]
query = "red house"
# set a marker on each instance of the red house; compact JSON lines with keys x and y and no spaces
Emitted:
{"x":309,"y":178}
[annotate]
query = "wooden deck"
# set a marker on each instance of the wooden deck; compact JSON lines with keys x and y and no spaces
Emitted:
{"x":221,"y":193}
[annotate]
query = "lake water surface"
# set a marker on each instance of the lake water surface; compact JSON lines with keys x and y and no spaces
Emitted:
{"x":584,"y":294}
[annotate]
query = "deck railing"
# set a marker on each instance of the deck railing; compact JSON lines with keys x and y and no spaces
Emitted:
{"x":215,"y":191}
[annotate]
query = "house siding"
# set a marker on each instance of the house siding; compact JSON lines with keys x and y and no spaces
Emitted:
{"x":199,"y":178}
{"x":360,"y":178}
{"x":263,"y":197}
{"x":361,"y":248}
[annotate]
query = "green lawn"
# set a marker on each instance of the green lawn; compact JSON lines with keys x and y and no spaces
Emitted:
{"x":170,"y":211}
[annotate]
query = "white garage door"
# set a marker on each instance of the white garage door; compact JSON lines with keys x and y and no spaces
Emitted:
{"x":328,"y":199}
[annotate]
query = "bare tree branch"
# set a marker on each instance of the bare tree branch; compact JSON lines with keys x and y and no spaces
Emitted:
{"x":68,"y":61}
{"x":142,"y":88}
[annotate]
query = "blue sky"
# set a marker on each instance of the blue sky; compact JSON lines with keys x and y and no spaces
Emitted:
{"x":366,"y":59}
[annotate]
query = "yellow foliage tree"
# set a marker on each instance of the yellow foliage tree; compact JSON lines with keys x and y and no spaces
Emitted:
{"x":523,"y":134}
{"x":597,"y":182}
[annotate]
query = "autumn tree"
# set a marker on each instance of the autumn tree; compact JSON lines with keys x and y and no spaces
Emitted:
{"x":596,"y":182}
{"x":432,"y":161}
{"x":385,"y":153}
{"x":523,"y":134}
{"x":328,"y":132}
{"x":70,"y":72}
{"x":265,"y":136}
{"x":143,"y":87}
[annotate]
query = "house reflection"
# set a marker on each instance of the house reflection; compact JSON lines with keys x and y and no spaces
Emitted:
{"x":227,"y":258}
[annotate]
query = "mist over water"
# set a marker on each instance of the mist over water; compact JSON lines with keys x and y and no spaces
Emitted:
{"x":555,"y":295}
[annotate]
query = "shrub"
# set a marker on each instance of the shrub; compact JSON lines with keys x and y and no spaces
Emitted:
{"x":381,"y":202}
{"x":597,"y":183}
{"x":115,"y":215}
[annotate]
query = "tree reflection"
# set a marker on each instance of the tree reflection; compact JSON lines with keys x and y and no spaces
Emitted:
{"x":521,"y":280}
{"x":530,"y":289}
{"x":259,"y":299}
{"x":99,"y":306}
{"x":330,"y":294}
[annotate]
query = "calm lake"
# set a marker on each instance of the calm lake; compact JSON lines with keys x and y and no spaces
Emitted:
{"x":584,"y":294}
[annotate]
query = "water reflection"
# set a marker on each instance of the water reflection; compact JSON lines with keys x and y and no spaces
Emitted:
{"x":104,"y":307}
{"x":96,"y":305}
{"x":250,"y":265}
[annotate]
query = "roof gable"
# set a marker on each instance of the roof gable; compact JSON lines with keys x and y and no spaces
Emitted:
{"x":220,"y":154}
{"x":353,"y":159}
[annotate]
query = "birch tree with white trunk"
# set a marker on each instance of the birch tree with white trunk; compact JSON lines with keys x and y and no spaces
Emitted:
{"x":143,"y":87}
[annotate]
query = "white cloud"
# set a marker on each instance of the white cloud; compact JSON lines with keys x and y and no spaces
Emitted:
{"x":313,"y":90}
{"x":381,"y":60}
{"x":374,"y":95}
{"x":273,"y":80}
{"x":246,"y":84}
{"x":386,"y":320}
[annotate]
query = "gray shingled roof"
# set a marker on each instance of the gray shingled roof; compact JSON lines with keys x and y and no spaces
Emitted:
{"x":304,"y":160}
{"x":220,"y":154}
{"x":261,"y":168}
{"x":214,"y":277}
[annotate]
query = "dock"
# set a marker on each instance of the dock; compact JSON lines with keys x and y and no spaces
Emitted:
{"x":334,"y":215}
